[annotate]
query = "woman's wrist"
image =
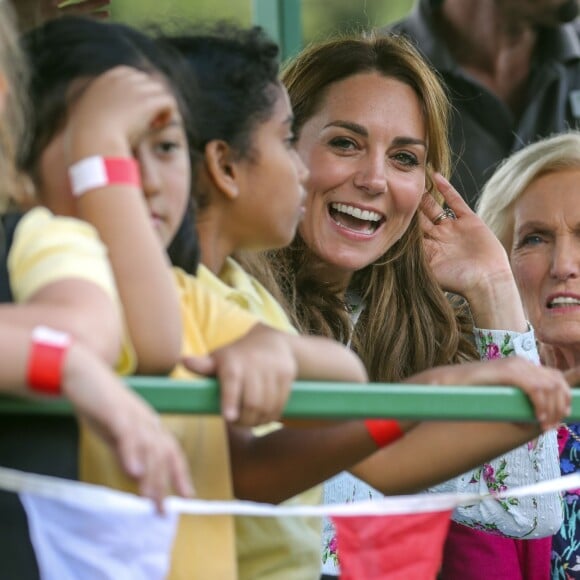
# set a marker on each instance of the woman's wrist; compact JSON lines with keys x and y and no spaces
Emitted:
{"x":495,"y":303}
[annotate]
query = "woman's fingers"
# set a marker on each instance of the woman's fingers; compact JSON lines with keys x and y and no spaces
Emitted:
{"x":430,"y":208}
{"x":547,"y":389}
{"x":451,"y":196}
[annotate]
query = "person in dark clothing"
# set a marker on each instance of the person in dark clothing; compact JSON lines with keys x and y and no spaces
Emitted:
{"x":512,"y":68}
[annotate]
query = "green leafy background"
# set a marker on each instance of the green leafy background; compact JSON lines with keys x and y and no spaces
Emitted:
{"x":319,"y":17}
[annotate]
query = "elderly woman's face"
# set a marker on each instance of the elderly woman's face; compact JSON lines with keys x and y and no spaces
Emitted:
{"x":545,"y":255}
{"x":366,"y":151}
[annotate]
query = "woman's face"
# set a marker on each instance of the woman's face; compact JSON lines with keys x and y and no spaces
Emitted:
{"x":270,"y":180}
{"x":545,"y":255}
{"x":366,"y":152}
{"x":165,"y":174}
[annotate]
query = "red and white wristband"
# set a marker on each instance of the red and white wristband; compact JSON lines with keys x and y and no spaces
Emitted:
{"x":96,"y":172}
{"x":47,"y":352}
{"x":383,"y":431}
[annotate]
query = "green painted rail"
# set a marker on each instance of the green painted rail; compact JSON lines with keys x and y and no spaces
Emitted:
{"x":329,"y":400}
{"x":281,"y":19}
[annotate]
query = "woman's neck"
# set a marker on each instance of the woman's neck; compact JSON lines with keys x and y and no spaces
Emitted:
{"x":560,"y":357}
{"x":337,"y":279}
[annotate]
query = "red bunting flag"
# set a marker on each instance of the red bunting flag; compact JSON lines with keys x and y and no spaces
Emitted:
{"x":394,"y":547}
{"x":80,"y":530}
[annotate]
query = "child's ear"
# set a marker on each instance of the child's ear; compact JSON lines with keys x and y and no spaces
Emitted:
{"x":221,"y":167}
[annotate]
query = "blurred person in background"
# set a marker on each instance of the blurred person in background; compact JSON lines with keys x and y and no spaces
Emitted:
{"x":512,"y":68}
{"x":33,"y":13}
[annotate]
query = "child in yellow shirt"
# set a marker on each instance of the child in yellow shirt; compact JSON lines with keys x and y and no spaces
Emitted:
{"x":107,"y":91}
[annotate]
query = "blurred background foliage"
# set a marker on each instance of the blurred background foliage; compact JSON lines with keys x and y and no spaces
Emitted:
{"x":320,"y":18}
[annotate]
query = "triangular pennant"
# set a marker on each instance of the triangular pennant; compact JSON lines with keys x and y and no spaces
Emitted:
{"x":75,"y":539}
{"x":395,"y":547}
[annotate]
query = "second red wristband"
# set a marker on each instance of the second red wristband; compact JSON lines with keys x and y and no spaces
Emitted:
{"x":384,"y":431}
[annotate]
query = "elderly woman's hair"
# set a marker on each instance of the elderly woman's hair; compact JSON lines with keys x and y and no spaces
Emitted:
{"x":408,"y":323}
{"x":12,"y":118}
{"x":516,"y":173}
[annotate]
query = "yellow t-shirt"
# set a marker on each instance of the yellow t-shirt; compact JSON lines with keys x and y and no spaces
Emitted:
{"x":48,"y":248}
{"x":269,"y":548}
{"x":204,"y":547}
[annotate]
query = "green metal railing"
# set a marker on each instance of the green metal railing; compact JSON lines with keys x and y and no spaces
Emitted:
{"x":329,"y":400}
{"x":281,"y":19}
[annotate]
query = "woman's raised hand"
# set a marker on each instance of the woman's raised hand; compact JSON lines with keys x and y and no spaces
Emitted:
{"x":469,"y":260}
{"x":462,"y":249}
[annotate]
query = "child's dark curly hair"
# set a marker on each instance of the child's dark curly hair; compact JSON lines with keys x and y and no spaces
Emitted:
{"x":247,"y":64}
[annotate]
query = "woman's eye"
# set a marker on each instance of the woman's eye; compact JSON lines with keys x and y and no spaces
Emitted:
{"x":343,"y":143}
{"x":406,"y":159}
{"x":531,"y":240}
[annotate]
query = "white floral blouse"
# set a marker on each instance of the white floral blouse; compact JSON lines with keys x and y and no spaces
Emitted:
{"x":529,"y":517}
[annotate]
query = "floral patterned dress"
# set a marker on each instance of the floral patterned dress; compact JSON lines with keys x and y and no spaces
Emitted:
{"x":518,"y":518}
{"x":566,"y":542}
{"x":527,"y":517}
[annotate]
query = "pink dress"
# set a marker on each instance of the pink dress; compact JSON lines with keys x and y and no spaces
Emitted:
{"x":470,"y":554}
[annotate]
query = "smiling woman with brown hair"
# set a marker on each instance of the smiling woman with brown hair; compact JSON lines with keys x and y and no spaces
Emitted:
{"x":376,"y":252}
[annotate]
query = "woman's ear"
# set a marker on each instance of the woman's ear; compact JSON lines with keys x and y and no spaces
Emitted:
{"x":221,"y":168}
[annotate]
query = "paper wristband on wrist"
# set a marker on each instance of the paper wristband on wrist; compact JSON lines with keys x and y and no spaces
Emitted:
{"x":47,"y":351}
{"x":96,"y":172}
{"x":383,"y":431}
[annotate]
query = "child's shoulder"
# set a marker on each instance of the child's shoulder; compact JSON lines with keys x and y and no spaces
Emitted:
{"x":41,"y":227}
{"x":260,"y":300}
{"x":216,"y":319}
{"x":48,"y":248}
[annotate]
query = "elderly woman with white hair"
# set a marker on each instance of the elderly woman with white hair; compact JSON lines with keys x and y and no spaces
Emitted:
{"x":532,"y":204}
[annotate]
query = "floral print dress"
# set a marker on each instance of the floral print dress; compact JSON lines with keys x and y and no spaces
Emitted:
{"x":528,"y":517}
{"x":566,"y":542}
{"x":518,"y":518}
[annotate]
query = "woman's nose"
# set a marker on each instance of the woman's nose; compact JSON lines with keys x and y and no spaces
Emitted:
{"x":372,"y":176}
{"x":565,"y":259}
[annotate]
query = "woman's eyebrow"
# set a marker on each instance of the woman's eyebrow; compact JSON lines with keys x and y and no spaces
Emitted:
{"x":363,"y":132}
{"x":354,"y":127}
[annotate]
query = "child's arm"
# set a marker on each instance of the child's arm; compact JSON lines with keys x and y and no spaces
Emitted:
{"x":280,"y":465}
{"x":77,"y":307}
{"x":112,"y":115}
{"x":256,"y":372}
{"x":58,"y":267}
{"x":322,"y":359}
{"x":461,"y":442}
{"x":146,"y":451}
